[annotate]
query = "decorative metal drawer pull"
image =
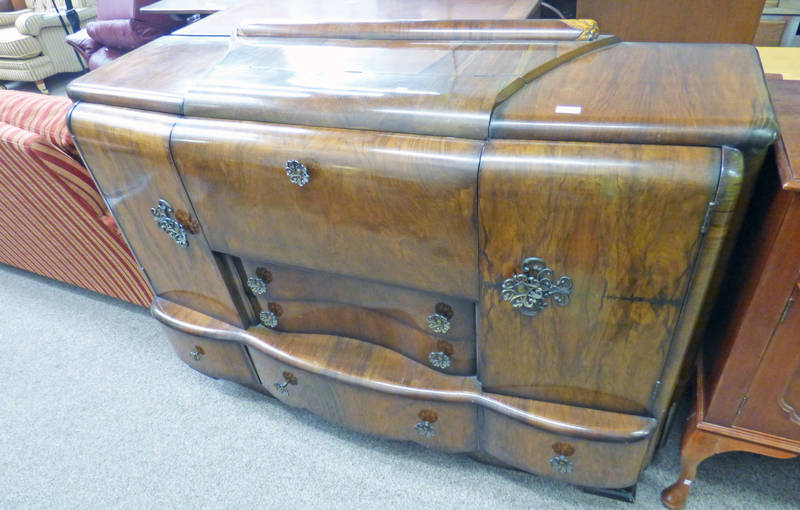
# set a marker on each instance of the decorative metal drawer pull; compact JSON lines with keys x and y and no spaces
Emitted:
{"x":441,"y":357}
{"x":560,"y":463}
{"x":283,"y":387}
{"x":258,"y":283}
{"x":297,"y":172}
{"x":197,"y":353}
{"x":530,"y":290}
{"x":425,"y":427}
{"x":439,"y":321}
{"x":268,"y":318}
{"x":164,"y":215}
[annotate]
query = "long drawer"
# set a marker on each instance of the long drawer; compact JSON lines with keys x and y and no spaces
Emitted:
{"x":397,"y":209}
{"x":435,"y":330}
{"x":443,"y":425}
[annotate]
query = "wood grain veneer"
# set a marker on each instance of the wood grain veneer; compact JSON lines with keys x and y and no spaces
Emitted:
{"x":395,"y":317}
{"x":389,"y":208}
{"x":133,"y":176}
{"x":630,"y":274}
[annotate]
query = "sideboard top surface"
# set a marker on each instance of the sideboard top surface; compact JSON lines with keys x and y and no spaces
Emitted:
{"x":473,"y":86}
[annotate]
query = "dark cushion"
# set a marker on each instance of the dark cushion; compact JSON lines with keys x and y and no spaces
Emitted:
{"x":125,"y":34}
{"x":6,"y":6}
{"x":83,"y":43}
{"x":103,"y":56}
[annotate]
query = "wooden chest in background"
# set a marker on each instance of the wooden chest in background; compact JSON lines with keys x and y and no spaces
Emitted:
{"x":489,"y":237}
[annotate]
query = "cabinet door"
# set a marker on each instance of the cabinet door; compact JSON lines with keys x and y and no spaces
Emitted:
{"x":127,"y":152}
{"x":623,"y":223}
{"x":773,"y":401}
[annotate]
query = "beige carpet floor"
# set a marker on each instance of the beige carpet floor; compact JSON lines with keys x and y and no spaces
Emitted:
{"x":96,"y":412}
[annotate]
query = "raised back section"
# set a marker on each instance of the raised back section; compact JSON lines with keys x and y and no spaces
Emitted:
{"x":440,"y":30}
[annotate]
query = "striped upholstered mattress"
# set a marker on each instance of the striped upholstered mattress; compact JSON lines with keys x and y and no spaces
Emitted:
{"x":52,"y":219}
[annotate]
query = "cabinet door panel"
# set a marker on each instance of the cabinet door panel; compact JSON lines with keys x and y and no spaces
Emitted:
{"x":127,"y":152}
{"x":773,"y":400}
{"x":623,"y":223}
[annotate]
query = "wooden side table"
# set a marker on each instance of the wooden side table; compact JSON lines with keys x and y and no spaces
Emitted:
{"x":748,"y":378}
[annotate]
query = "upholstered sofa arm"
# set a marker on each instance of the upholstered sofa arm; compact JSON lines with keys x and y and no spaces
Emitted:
{"x":40,"y":114}
{"x":8,"y":18}
{"x":32,"y":23}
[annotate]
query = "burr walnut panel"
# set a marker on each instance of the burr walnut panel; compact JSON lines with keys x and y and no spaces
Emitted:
{"x":127,"y":152}
{"x":395,"y":317}
{"x":624,"y":223}
{"x":397,"y":209}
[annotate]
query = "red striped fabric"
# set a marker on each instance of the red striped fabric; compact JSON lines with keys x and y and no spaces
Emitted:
{"x":51,"y":224}
{"x":44,"y":115}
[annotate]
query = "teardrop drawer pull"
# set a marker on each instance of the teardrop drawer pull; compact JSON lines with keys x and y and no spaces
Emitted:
{"x":197,"y":353}
{"x":529,"y":292}
{"x":439,"y":321}
{"x":425,"y":426}
{"x":283,"y":387}
{"x":441,"y":357}
{"x":164,"y":216}
{"x":297,"y":172}
{"x":560,"y":462}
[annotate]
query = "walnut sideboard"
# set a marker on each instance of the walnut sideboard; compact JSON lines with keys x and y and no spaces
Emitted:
{"x":491,"y":237}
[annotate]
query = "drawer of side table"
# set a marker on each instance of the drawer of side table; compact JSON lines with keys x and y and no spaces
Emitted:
{"x":217,"y":359}
{"x":443,"y":425}
{"x":435,"y":330}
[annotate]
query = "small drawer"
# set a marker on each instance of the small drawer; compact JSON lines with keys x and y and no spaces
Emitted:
{"x":217,"y":359}
{"x":437,"y":331}
{"x":447,"y":426}
{"x":586,"y":462}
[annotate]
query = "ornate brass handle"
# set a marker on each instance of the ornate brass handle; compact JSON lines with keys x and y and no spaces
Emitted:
{"x":297,"y":172}
{"x":164,"y":215}
{"x":425,"y":426}
{"x":283,"y":387}
{"x":529,"y":291}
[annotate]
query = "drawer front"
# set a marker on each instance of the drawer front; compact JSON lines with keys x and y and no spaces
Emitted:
{"x":435,"y":330}
{"x":128,"y":154}
{"x":398,"y":209}
{"x":589,"y":463}
{"x":217,"y":359}
{"x":446,"y":426}
{"x":622,"y":225}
